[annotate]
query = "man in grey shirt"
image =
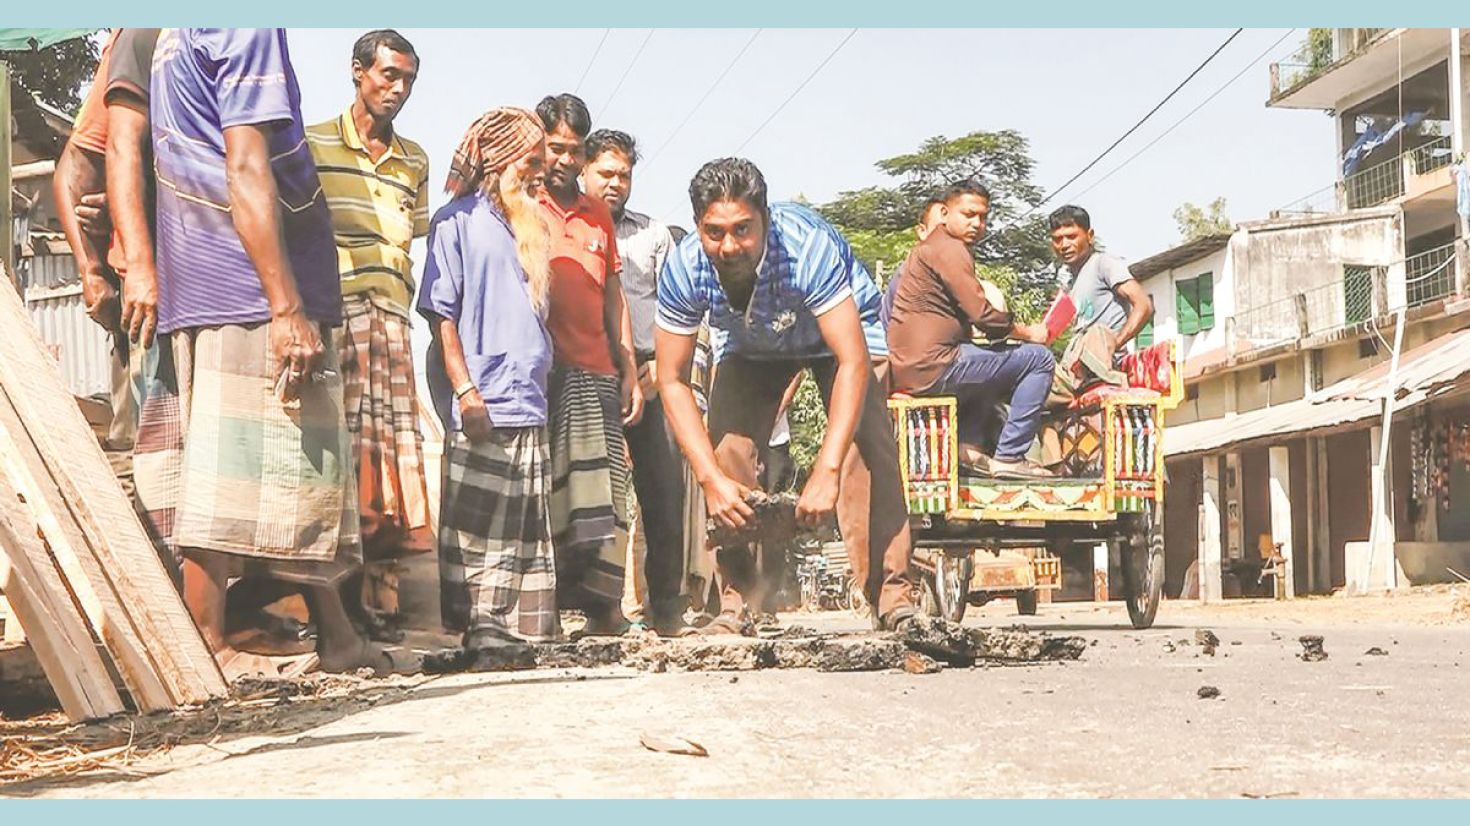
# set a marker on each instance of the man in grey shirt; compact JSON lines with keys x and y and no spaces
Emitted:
{"x":658,"y":467}
{"x":1111,"y":305}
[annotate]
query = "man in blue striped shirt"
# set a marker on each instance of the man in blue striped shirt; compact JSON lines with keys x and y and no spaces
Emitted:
{"x":783,"y":293}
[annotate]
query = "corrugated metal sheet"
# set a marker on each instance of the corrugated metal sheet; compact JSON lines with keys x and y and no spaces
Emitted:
{"x":1292,"y":418}
{"x":1425,"y":373}
{"x":78,"y":344}
{"x":47,"y":272}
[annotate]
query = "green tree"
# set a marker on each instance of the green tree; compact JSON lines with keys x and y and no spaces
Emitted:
{"x":55,"y":74}
{"x":1195,"y":222}
{"x":879,"y":220}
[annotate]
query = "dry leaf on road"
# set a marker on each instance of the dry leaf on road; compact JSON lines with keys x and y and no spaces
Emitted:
{"x":672,"y":744}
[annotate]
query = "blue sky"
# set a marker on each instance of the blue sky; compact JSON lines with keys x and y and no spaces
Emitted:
{"x":1071,"y":92}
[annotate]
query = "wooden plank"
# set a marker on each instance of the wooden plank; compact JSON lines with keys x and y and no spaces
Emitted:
{"x":12,"y":633}
{"x":113,"y":532}
{"x":40,"y":600}
{"x":27,"y":474}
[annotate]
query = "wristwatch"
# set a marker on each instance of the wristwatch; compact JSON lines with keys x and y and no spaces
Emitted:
{"x":463,"y":389}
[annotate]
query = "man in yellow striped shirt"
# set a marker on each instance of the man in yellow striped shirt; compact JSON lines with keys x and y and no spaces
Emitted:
{"x":376,"y":186}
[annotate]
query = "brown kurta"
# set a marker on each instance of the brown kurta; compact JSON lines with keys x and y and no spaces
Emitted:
{"x":937,"y":301}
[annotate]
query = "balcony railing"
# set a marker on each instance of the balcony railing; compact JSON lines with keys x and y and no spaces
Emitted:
{"x":1321,"y":202}
{"x":1319,"y":53}
{"x":1326,"y":308}
{"x":1383,"y":182}
{"x":1430,"y":276}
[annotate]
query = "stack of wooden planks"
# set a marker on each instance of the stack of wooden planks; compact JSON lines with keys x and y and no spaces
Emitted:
{"x":77,"y":566}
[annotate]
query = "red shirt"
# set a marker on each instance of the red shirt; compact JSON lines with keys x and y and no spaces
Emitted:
{"x":89,"y":132}
{"x":584,"y":250}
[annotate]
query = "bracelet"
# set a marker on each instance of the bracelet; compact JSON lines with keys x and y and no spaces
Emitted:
{"x":463,"y":389}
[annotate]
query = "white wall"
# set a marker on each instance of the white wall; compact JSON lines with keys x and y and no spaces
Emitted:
{"x":1161,"y":286}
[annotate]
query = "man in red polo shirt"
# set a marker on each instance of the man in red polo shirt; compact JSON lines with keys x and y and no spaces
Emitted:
{"x":593,"y":389}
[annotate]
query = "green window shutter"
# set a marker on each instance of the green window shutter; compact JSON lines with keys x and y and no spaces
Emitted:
{"x":1205,"y":286}
{"x":1357,"y":297}
{"x":1186,"y":302}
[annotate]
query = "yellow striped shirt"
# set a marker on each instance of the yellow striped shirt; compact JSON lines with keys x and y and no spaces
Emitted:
{"x":377,"y":208}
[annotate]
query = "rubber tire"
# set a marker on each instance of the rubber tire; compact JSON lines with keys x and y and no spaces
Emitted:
{"x":1026,"y":602}
{"x":937,"y":600}
{"x":1143,"y":565}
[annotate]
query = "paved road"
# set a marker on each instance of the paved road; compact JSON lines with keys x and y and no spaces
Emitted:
{"x":1125,"y":721}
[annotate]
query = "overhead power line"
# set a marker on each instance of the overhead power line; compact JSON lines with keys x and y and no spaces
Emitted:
{"x":704,"y":97}
{"x":631,"y":63}
{"x":590,"y":61}
{"x":794,"y":92}
{"x":1187,"y":115}
{"x":1136,"y":126}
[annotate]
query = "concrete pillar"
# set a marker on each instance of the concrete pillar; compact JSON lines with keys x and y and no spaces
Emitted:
{"x":1281,"y":513}
{"x":1100,"y":572}
{"x":1457,"y":149}
{"x":1209,"y":533}
{"x":1380,"y":503}
{"x":1234,"y":507}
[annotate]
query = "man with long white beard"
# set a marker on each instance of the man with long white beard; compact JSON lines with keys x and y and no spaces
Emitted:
{"x":485,"y":295}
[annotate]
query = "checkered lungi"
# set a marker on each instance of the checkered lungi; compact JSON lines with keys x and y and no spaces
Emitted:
{"x":382,"y":415}
{"x":264,"y":483}
{"x":158,"y":446}
{"x":589,"y":487}
{"x":497,"y":572}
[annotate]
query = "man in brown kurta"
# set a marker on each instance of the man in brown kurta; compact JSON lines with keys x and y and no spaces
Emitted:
{"x":937,"y":304}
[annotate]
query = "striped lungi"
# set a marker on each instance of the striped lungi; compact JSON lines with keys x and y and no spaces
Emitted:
{"x":589,"y":486}
{"x":382,"y":413}
{"x":497,"y":571}
{"x":263,"y":482}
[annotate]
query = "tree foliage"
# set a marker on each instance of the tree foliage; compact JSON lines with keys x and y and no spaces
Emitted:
{"x":1195,"y":222}
{"x":55,"y":74}
{"x":878,"y":220}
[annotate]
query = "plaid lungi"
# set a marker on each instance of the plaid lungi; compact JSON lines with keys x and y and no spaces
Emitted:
{"x":497,"y":571}
{"x":382,"y":416}
{"x":263,"y":481}
{"x":589,"y":486}
{"x":158,"y":448}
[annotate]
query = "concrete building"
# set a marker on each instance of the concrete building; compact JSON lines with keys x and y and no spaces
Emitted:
{"x":1288,"y":329}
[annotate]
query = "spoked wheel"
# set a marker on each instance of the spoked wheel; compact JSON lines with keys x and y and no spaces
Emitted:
{"x":1142,"y":561}
{"x":947,"y":592}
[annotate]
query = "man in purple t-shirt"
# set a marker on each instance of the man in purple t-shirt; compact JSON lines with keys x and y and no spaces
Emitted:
{"x":248,"y":288}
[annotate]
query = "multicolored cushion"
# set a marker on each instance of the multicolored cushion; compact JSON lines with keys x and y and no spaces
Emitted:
{"x":1151,"y":368}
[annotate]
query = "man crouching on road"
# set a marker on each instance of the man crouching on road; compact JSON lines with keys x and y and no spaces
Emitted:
{"x":783,"y":293}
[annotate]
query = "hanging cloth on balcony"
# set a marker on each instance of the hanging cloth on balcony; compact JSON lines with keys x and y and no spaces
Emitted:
{"x":1462,"y":187}
{"x":1374,"y":137}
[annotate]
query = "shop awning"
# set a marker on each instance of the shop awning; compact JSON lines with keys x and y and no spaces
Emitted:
{"x":1279,"y":421}
{"x":1426,"y":372}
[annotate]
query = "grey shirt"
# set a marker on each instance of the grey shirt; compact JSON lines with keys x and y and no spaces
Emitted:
{"x":643,"y":244}
{"x":1092,"y":290}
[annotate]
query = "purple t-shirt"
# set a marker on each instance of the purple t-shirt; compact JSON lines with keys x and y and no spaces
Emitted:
{"x":473,"y":278}
{"x":205,"y":81}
